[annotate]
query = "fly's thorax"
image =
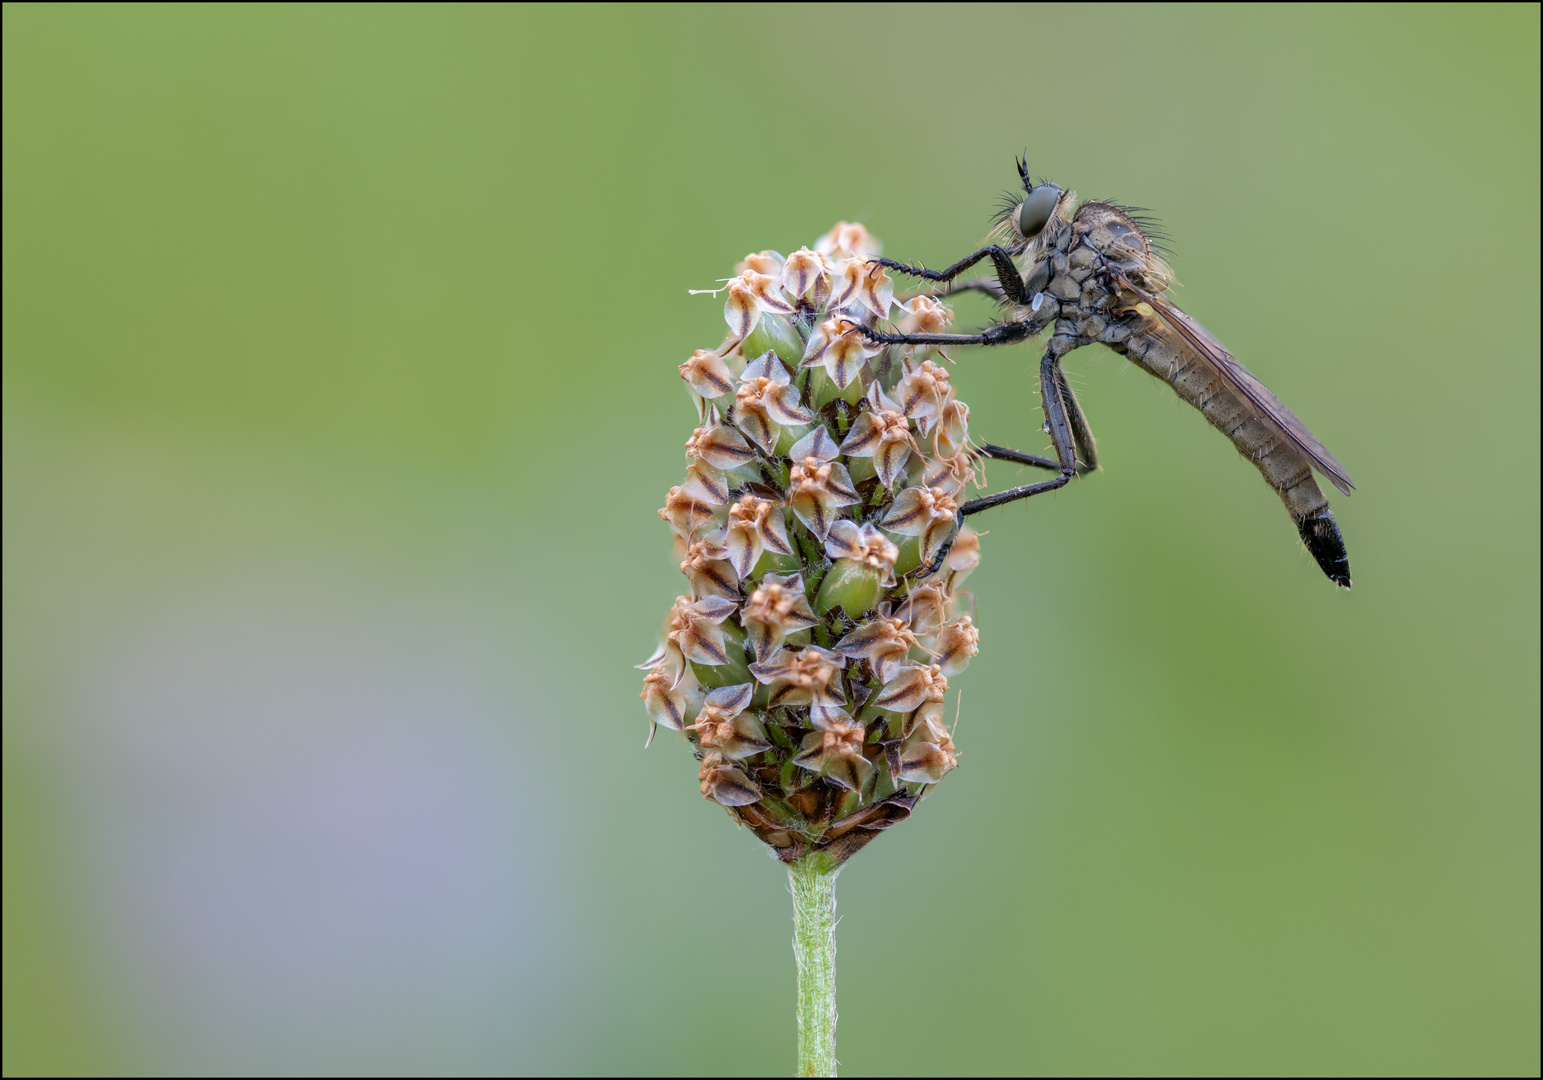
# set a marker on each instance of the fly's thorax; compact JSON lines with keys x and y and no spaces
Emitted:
{"x":1115,"y":237}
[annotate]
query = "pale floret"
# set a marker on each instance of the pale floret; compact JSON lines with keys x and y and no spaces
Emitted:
{"x":839,"y":346}
{"x":765,"y":400}
{"x":762,"y":262}
{"x":724,"y":726}
{"x":709,"y":572}
{"x":807,"y":276}
{"x":718,"y":444}
{"x":778,"y":607}
{"x":882,"y":433}
{"x":694,"y":632}
{"x":862,"y":284}
{"x":687,"y":508}
{"x":755,"y":525}
{"x":910,"y":686}
{"x":707,"y":374}
{"x":926,"y":513}
{"x":884,"y":642}
{"x":665,"y":698}
{"x":848,"y":240}
{"x":922,"y":394}
{"x":963,"y":557}
{"x":835,"y":750}
{"x":750,"y":294}
{"x":726,"y":783}
{"x":807,"y":676}
{"x":866,"y":544}
{"x":957,"y":643}
{"x":818,"y":487}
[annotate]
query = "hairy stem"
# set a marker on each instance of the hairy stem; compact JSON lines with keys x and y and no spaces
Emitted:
{"x":813,"y":883}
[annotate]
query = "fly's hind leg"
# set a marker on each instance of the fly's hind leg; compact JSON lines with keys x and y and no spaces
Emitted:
{"x":1087,"y":447}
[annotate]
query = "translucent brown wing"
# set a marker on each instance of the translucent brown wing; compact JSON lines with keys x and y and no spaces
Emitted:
{"x":1267,"y":406}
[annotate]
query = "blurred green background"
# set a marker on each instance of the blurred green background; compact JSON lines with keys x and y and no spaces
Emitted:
{"x":339,"y":394}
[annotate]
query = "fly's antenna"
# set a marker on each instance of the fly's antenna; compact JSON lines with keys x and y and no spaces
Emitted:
{"x":1023,"y":170}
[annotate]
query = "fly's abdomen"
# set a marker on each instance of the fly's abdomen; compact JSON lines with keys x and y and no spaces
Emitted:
{"x":1283,"y":466}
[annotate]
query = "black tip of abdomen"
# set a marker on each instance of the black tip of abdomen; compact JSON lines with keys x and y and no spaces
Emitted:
{"x":1321,"y":535}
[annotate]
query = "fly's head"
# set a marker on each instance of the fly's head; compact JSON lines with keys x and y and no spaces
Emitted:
{"x":1034,"y":217}
{"x":1035,"y":223}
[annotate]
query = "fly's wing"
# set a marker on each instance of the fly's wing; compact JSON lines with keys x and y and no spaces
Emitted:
{"x":1242,"y":382}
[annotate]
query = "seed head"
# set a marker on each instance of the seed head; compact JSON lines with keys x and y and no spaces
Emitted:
{"x":809,"y":665}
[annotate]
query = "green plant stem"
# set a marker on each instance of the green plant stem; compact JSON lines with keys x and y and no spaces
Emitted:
{"x":813,"y":883}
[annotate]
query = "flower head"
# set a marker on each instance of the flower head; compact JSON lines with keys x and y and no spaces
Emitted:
{"x":805,"y":673}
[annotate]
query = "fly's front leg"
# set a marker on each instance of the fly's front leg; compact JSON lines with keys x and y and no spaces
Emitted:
{"x":1001,"y":334}
{"x":1007,"y":272}
{"x":983,"y":285}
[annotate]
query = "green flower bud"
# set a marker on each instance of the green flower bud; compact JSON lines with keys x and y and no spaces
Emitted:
{"x":774,"y":332}
{"x":851,"y":585}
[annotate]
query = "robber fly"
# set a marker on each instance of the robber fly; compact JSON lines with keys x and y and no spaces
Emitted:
{"x":1090,"y":275}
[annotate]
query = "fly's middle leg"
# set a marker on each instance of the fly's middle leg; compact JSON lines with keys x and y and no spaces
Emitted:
{"x":1063,"y":438}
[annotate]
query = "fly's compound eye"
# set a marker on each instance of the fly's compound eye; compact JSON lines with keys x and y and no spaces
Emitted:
{"x":1035,"y":212}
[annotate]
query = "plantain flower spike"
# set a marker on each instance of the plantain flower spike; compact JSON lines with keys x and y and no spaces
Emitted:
{"x":808,"y":662}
